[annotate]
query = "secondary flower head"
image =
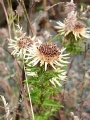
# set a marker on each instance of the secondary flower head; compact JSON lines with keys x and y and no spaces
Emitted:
{"x":70,"y":6}
{"x":19,"y":10}
{"x":68,"y":25}
{"x":73,"y":26}
{"x":80,"y":30}
{"x":70,"y":22}
{"x":21,"y":45}
{"x":47,"y":54}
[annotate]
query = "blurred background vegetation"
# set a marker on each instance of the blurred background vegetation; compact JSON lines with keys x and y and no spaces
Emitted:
{"x":8,"y":80}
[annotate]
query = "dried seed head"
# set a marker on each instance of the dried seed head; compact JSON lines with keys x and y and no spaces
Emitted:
{"x":3,"y":32}
{"x":70,"y":21}
{"x":24,"y":42}
{"x":19,"y":10}
{"x":70,"y":6}
{"x":49,"y":51}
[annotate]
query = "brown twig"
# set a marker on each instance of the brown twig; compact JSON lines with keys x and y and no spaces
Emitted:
{"x":31,"y":3}
{"x":22,"y":88}
{"x":45,"y":4}
{"x":9,"y":29}
{"x":28,"y":19}
{"x":20,"y":98}
{"x":59,"y":113}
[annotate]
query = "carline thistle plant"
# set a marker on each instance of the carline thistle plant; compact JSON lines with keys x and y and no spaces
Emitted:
{"x":45,"y":67}
{"x":50,"y":57}
{"x":48,"y":62}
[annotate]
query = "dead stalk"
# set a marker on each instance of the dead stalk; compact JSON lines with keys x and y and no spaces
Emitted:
{"x":5,"y":12}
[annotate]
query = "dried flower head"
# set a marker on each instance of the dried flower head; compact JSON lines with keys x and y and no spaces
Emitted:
{"x":19,"y":10}
{"x":21,"y":45}
{"x":3,"y":32}
{"x":47,"y":54}
{"x":70,"y":6}
{"x":70,"y":21}
{"x":80,"y":30}
{"x":72,"y":25}
{"x":68,"y":25}
{"x":25,"y":42}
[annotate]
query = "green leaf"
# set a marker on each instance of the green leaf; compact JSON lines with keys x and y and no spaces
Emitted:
{"x":51,"y":103}
{"x":38,"y":117}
